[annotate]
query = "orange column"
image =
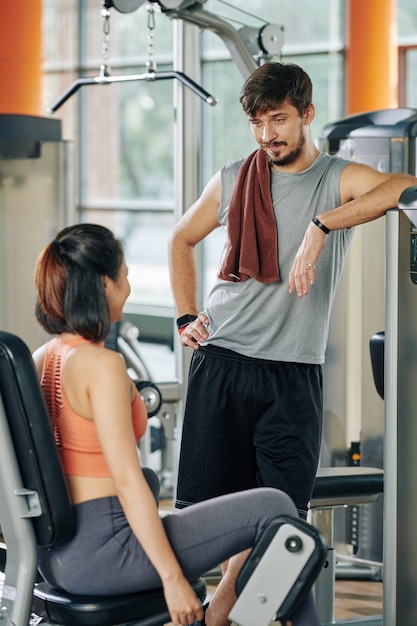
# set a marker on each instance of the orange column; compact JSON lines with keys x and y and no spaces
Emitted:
{"x":21,"y":57}
{"x":371,"y":56}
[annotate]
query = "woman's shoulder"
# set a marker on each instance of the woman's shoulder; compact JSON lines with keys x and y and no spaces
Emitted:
{"x":96,"y":351}
{"x":96,"y":361}
{"x":38,"y":357}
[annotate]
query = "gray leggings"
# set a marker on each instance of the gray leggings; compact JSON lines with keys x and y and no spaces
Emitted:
{"x":105,"y":558}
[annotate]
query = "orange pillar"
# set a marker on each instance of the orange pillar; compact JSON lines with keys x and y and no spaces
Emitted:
{"x":371,"y":56}
{"x":21,"y":57}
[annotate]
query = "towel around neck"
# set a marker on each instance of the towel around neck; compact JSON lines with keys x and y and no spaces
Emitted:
{"x":252,"y":248}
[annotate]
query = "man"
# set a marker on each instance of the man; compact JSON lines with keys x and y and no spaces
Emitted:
{"x":254,"y":404}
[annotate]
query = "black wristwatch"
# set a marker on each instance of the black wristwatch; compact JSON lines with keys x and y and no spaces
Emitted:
{"x":184,"y":320}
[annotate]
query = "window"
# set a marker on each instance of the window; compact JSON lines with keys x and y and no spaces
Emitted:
{"x":410,"y":73}
{"x":407,"y":39}
{"x":407,"y":20}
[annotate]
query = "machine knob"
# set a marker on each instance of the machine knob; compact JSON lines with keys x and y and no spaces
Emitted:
{"x":294,"y":544}
{"x":151,"y":396}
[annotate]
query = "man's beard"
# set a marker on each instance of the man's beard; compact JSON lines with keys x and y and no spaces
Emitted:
{"x":291,"y":156}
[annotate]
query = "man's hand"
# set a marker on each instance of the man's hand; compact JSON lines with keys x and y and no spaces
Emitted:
{"x":303,"y":271}
{"x":195,"y":333}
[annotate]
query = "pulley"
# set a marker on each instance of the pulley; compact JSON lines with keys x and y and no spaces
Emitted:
{"x":151,"y":396}
{"x":123,"y":6}
{"x":128,"y":6}
{"x":265,"y":41}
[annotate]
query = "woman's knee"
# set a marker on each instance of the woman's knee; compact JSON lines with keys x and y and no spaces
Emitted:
{"x":276,"y":502}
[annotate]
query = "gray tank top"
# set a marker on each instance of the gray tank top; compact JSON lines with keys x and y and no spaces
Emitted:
{"x":262,"y":320}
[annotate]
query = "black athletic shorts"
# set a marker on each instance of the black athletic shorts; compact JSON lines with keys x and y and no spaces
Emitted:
{"x":249,"y":423}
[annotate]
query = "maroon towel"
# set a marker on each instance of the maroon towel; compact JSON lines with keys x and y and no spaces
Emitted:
{"x":252,"y":249}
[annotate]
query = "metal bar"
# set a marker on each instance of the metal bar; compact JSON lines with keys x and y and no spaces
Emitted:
{"x":237,"y":47}
{"x":106,"y":79}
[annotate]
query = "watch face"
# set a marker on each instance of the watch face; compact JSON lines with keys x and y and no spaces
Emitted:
{"x":184,"y":320}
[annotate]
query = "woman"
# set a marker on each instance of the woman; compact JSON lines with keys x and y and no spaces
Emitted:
{"x":121,"y":544}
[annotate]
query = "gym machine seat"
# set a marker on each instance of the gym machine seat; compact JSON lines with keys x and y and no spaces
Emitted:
{"x":35,"y":510}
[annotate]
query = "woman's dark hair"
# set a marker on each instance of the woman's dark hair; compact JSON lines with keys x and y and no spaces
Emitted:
{"x":271,"y":84}
{"x":69,"y":281}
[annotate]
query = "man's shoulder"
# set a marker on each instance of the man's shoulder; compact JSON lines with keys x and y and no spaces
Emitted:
{"x":233,"y":166}
{"x":228,"y":174}
{"x":325,"y":156}
{"x":330,"y":161}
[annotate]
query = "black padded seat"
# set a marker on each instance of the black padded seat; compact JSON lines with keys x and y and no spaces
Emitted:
{"x":147,"y":607}
{"x":340,"y":486}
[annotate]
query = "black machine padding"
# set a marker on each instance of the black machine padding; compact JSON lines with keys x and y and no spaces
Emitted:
{"x":32,"y":437}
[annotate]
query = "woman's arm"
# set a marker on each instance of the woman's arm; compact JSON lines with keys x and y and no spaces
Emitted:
{"x":109,"y":390}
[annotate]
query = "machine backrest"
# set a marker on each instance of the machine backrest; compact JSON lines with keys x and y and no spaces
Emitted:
{"x":377,"y":348}
{"x":35,"y":449}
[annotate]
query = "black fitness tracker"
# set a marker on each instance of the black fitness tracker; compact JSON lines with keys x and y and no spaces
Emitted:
{"x":184,"y":320}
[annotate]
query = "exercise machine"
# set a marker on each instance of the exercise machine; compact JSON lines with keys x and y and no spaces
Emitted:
{"x":400,"y":392}
{"x":35,"y":510}
{"x":37,"y":199}
{"x":248,"y":46}
{"x":335,"y":488}
{"x":353,"y":403}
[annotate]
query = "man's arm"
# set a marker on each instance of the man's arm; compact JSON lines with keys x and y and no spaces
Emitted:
{"x":198,"y":222}
{"x":366,"y":195}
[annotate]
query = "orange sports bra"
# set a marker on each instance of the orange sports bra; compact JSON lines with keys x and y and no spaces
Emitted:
{"x":76,"y":436}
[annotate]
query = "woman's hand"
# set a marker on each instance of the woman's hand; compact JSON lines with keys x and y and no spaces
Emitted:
{"x":303,"y":271}
{"x":195,"y":333}
{"x":183,"y":604}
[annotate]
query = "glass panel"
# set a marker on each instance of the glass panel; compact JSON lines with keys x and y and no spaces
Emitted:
{"x":135,"y":159}
{"x":323,"y":21}
{"x":225,"y":130}
{"x":323,"y":26}
{"x":145,"y":239}
{"x":411,"y":78}
{"x":326,"y":73}
{"x":60,"y":52}
{"x":407,"y":20}
{"x":60,"y":33}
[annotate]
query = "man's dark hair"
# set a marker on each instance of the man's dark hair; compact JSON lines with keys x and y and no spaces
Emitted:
{"x":271,"y":84}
